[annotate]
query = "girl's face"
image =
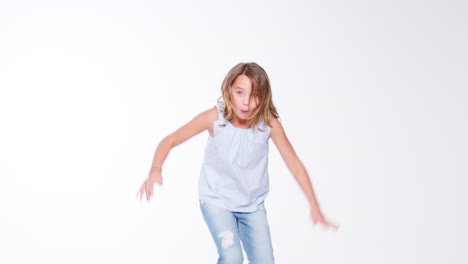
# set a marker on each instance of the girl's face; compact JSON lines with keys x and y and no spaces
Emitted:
{"x":243,"y":99}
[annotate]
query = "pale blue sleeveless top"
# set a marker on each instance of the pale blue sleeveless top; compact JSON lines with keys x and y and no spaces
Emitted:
{"x":234,"y":174}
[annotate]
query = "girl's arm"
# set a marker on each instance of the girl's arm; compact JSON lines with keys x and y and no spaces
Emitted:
{"x":297,"y":169}
{"x":203,"y":121}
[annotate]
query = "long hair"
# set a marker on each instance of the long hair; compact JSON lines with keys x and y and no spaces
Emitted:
{"x":260,"y":83}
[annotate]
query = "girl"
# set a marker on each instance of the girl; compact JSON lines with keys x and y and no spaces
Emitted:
{"x":234,"y":182}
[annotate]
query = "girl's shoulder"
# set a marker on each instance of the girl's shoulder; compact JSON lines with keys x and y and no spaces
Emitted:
{"x":206,"y":118}
{"x":210,"y":115}
{"x":275,"y":125}
{"x":271,"y":122}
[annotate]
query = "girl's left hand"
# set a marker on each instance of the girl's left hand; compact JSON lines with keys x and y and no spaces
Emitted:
{"x":317,"y":217}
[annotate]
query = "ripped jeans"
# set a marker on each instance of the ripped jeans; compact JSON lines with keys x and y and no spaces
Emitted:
{"x":228,"y":229}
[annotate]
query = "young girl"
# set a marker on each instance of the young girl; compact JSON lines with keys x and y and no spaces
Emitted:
{"x":234,"y":181}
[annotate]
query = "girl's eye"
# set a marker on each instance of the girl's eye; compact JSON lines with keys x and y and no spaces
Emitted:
{"x":239,"y":92}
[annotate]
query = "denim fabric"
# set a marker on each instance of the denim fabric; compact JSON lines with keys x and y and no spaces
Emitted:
{"x":228,"y":229}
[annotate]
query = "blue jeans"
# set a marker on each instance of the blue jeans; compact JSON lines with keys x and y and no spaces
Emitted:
{"x":228,"y":229}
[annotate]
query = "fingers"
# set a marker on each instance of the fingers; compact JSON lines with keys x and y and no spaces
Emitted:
{"x":147,"y":187}
{"x":141,"y":191}
{"x":324,"y":222}
{"x":329,"y":224}
{"x":334,"y":226}
{"x":159,"y":180}
{"x":149,"y":190}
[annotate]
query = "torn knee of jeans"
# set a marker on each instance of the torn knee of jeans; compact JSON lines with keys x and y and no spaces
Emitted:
{"x":227,"y":238}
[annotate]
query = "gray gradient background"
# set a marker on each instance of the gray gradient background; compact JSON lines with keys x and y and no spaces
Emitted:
{"x":372,"y":95}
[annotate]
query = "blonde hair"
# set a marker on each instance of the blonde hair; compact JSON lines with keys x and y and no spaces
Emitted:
{"x":260,"y":82}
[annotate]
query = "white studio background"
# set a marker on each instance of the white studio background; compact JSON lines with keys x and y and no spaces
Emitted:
{"x":372,"y":95}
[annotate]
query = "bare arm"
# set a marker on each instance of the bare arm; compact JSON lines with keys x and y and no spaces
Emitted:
{"x":203,"y":121}
{"x":297,"y":169}
{"x":200,"y":123}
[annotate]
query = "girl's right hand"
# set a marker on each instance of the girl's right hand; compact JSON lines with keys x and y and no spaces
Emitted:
{"x":317,"y":217}
{"x":147,"y":187}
